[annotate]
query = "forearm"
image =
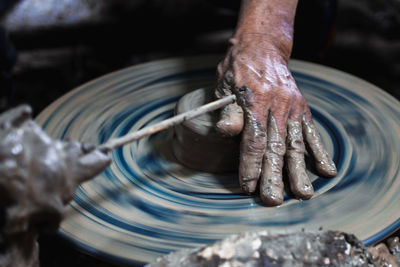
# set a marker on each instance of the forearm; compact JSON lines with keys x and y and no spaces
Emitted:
{"x":267,"y":20}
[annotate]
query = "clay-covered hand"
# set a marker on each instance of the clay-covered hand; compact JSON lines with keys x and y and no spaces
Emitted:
{"x":39,"y":175}
{"x":271,"y":113}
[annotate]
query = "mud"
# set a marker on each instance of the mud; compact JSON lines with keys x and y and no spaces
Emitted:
{"x":328,"y":248}
{"x":323,"y":161}
{"x":300,"y":183}
{"x":272,"y":189}
{"x":38,"y":176}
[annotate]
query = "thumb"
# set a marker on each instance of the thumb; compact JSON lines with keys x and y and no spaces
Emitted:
{"x":230,"y":121}
{"x":91,"y":164}
{"x":231,"y":116}
{"x":15,"y":117}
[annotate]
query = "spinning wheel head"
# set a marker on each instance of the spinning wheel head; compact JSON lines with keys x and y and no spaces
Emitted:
{"x":146,"y":205}
{"x":197,"y":144}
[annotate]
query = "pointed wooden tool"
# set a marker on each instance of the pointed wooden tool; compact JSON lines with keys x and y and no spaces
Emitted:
{"x":165,"y":124}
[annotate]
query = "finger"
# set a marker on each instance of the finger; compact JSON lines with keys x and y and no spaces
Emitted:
{"x":323,"y":162}
{"x":73,"y":149}
{"x":91,"y":164}
{"x":86,"y":147}
{"x":300,"y":183}
{"x":231,"y":120}
{"x":85,"y":160}
{"x":231,"y":116}
{"x":252,"y":149}
{"x":15,"y":117}
{"x":271,"y":188}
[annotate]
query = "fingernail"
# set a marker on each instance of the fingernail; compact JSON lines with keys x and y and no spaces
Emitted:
{"x":249,"y":186}
{"x":332,"y":169}
{"x":272,"y":196}
{"x":302,"y":188}
{"x":307,"y":191}
{"x":327,"y":169}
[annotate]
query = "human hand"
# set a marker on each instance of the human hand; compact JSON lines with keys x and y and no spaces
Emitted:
{"x":39,"y":175}
{"x":272,"y":115}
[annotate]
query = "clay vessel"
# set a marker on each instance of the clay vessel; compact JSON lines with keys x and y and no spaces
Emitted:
{"x":197,"y":144}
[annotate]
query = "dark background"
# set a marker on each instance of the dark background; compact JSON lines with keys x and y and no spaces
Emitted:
{"x":50,"y":48}
{"x":56,"y":54}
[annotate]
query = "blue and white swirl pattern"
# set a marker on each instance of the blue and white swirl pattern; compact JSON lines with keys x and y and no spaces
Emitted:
{"x":146,"y":204}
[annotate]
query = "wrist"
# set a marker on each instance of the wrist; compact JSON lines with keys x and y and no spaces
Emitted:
{"x":263,"y":43}
{"x":267,"y":23}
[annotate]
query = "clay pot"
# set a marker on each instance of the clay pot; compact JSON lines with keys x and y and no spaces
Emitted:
{"x":197,"y":144}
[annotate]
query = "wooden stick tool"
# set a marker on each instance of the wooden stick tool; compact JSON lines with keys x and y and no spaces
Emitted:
{"x":165,"y":124}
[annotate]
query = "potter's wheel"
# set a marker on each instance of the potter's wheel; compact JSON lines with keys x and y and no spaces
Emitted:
{"x":146,"y":204}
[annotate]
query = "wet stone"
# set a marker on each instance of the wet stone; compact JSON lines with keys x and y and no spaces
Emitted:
{"x":321,"y":248}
